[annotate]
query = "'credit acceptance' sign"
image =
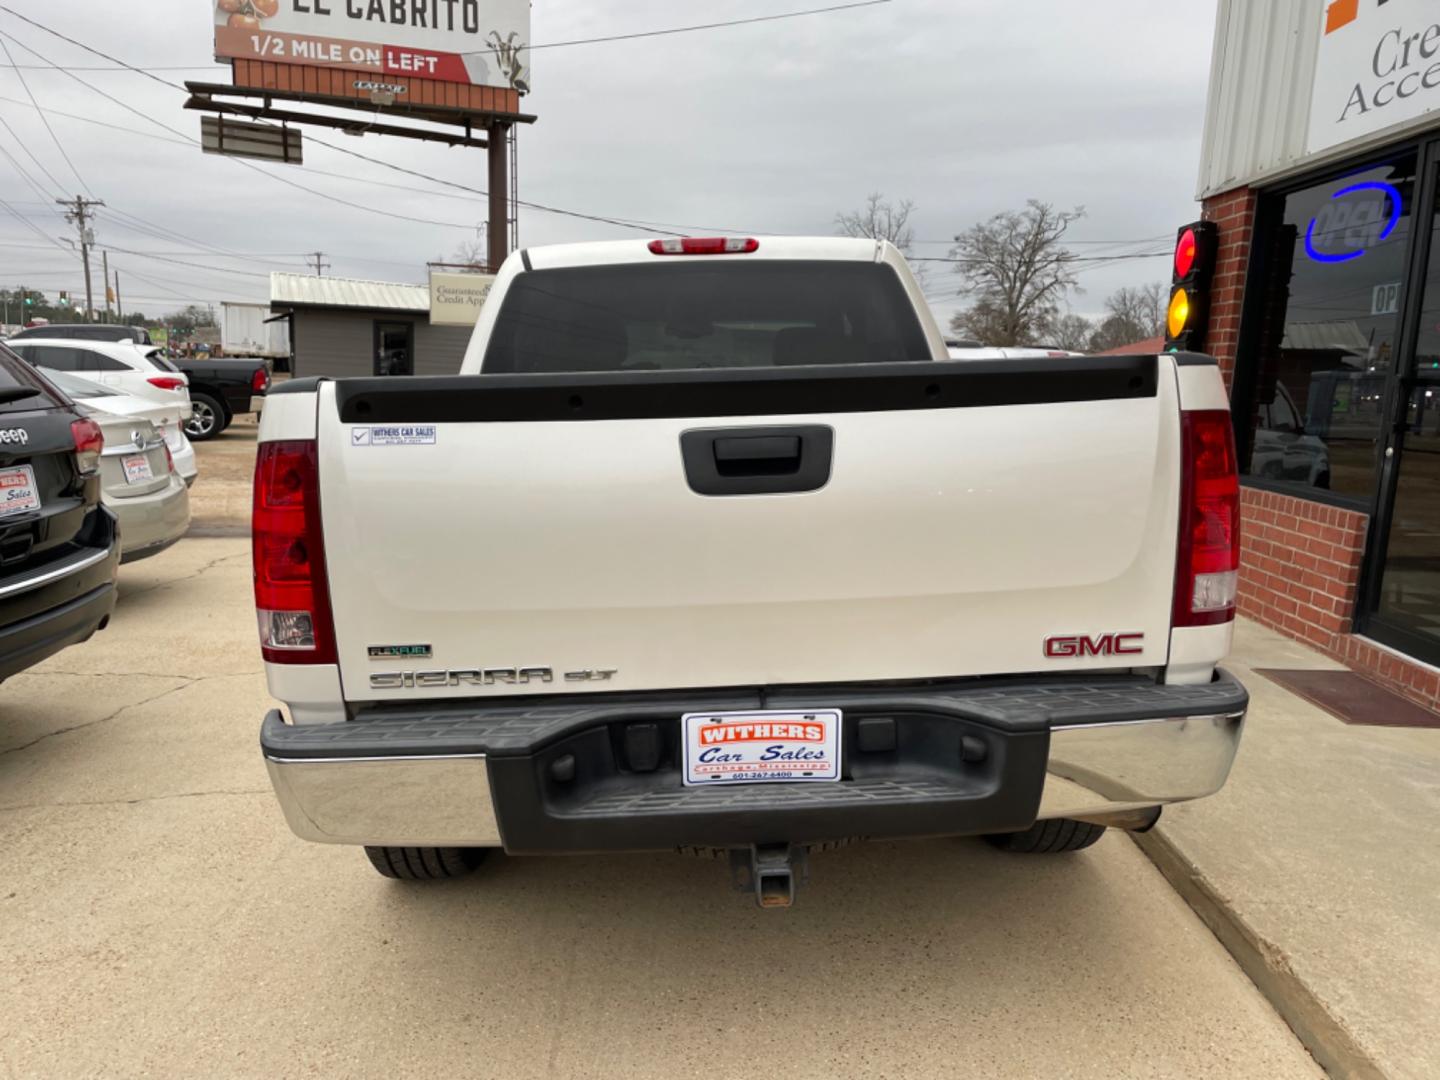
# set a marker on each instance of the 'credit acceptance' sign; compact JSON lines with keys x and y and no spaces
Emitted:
{"x":1379,"y":64}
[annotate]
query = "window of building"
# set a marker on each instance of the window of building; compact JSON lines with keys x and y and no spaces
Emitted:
{"x":1322,"y":350}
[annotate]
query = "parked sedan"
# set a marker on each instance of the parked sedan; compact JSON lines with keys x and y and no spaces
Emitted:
{"x":170,"y":419}
{"x":139,"y":484}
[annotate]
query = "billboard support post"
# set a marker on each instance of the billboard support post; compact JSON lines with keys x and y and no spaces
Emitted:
{"x":498,"y":234}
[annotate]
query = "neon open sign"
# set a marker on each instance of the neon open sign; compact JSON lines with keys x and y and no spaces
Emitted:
{"x":1352,"y":224}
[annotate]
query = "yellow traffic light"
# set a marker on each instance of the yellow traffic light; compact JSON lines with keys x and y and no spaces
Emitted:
{"x":1179,"y":315}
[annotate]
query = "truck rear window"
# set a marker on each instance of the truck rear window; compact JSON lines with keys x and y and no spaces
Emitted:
{"x":704,"y":315}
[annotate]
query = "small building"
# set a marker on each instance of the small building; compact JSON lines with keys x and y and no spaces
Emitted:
{"x":1321,"y":170}
{"x":345,"y":327}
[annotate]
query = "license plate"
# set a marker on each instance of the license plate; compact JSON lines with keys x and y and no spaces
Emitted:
{"x":17,"y":491}
{"x":761,"y":747}
{"x":137,"y":469}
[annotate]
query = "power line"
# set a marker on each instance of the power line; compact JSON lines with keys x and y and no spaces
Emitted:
{"x":106,"y":67}
{"x":33,"y":227}
{"x":654,"y":227}
{"x":182,"y":262}
{"x":1076,"y":259}
{"x":1076,"y":243}
{"x":54,"y":138}
{"x":245,"y":164}
{"x":529,"y":48}
{"x":23,"y":174}
{"x":26,"y":147}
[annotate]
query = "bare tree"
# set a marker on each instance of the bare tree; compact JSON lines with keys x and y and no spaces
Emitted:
{"x":470,"y":253}
{"x":880,"y":219}
{"x":1071,"y":332}
{"x":1018,"y":269}
{"x":1133,"y":314}
{"x":1144,"y":307}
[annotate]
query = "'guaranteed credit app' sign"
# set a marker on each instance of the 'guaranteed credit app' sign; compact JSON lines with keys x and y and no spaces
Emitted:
{"x":1379,"y":64}
{"x":480,"y":42}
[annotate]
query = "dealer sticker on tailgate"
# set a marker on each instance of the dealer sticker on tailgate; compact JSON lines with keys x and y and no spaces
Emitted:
{"x":759,"y":747}
{"x":17,"y":491}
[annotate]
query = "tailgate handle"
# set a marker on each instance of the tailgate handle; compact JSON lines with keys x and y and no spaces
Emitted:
{"x":757,"y":455}
{"x":759,"y":460}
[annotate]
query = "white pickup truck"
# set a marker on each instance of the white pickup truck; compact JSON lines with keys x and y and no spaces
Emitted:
{"x":711,"y":547}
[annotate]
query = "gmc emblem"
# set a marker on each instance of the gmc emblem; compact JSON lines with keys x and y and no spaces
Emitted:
{"x":1105,"y":645}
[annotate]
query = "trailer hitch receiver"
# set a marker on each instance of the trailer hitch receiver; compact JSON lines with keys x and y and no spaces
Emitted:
{"x":771,"y":872}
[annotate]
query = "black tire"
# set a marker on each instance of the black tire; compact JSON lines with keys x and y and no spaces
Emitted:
{"x":1049,"y":837}
{"x":209,"y":418}
{"x":424,"y":863}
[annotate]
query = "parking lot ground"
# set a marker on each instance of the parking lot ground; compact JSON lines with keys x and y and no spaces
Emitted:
{"x":220,"y":499}
{"x":157,"y":918}
{"x":1319,"y":866}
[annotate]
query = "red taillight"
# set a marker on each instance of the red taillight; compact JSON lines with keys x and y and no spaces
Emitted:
{"x":292,"y":599}
{"x":1208,"y":564}
{"x":708,"y":245}
{"x":1185,"y":251}
{"x":169,"y":458}
{"x":167,"y":382}
{"x":89,"y":442}
{"x":260,"y":381}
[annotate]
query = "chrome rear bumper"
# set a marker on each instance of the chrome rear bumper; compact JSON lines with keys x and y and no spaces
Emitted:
{"x":337,"y":784}
{"x":1098,"y":769}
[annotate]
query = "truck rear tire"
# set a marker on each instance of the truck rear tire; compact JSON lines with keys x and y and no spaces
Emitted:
{"x":1049,"y":837}
{"x":424,"y":863}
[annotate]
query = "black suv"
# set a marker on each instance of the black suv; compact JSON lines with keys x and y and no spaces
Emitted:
{"x":59,"y":548}
{"x":86,"y":332}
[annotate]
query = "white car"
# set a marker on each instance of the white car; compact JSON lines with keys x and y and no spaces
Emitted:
{"x":168,"y":419}
{"x":711,"y":546}
{"x":120,"y":365}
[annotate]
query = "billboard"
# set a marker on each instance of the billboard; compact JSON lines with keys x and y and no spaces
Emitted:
{"x":456,"y":299}
{"x":472,"y":42}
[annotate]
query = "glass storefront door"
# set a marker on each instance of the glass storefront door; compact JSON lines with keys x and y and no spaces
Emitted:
{"x":1404,"y":597}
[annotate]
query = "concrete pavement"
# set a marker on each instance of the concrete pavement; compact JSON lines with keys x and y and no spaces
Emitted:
{"x":158,"y":919}
{"x":1319,"y":867}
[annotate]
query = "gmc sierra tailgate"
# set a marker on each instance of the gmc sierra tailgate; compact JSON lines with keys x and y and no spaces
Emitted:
{"x":647,"y":530}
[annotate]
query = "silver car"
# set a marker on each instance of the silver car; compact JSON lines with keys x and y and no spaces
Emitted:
{"x":139,"y":484}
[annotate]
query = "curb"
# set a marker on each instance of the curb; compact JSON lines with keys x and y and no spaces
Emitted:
{"x":1329,"y":1042}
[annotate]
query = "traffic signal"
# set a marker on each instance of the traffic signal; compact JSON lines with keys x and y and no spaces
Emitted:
{"x":1194,"y":268}
{"x":64,"y":299}
{"x":29,"y":300}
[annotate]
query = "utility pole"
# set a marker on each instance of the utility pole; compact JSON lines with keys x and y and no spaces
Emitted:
{"x":105,"y":269}
{"x":320,"y":265}
{"x":119,"y":305}
{"x":78,"y":214}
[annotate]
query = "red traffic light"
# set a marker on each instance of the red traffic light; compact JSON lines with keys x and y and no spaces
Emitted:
{"x":1185,"y":252}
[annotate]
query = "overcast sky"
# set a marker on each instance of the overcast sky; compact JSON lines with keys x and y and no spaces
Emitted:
{"x":966,"y":107}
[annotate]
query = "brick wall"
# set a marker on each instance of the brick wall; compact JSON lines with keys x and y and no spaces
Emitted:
{"x":1234,"y":214}
{"x":1299,"y":565}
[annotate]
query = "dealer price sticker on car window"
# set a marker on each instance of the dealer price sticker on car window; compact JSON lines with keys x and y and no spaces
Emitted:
{"x":761,"y":747}
{"x":17,"y":491}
